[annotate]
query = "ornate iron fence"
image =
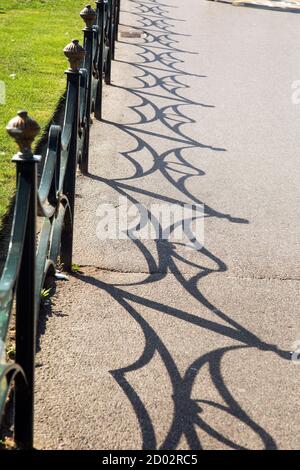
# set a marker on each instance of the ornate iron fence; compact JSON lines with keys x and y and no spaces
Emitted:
{"x":28,"y":263}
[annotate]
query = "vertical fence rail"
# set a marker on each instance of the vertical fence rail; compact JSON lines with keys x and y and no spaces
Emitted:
{"x":26,"y":307}
{"x":29,"y":262}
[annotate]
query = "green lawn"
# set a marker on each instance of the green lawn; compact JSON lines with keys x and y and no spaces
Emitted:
{"x":32,"y":36}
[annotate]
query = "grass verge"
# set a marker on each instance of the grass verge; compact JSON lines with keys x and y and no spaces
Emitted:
{"x":32,"y":36}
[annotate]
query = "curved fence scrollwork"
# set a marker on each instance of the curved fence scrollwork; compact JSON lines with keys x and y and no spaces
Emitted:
{"x":28,"y":263}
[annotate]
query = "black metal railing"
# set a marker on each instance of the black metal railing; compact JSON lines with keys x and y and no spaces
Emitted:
{"x":29,"y":262}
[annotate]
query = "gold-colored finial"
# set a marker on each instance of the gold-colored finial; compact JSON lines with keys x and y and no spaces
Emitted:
{"x":23,"y":129}
{"x":88,"y":15}
{"x":75,"y":54}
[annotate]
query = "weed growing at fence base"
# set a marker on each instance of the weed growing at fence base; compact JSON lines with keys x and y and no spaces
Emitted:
{"x":32,"y":36}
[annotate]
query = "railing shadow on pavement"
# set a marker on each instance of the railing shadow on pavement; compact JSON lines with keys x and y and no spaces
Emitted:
{"x":27,"y":265}
{"x":187,"y":411}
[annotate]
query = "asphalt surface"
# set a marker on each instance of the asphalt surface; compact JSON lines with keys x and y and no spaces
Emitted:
{"x":158,"y":343}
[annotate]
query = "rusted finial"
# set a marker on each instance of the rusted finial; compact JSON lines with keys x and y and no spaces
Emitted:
{"x":75,"y":54}
{"x":23,"y":130}
{"x":88,"y":15}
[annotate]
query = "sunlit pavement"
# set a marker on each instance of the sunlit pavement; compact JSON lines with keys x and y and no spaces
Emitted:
{"x":155,"y":344}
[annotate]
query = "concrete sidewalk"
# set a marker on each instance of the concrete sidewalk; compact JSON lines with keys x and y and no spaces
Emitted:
{"x":153,"y":344}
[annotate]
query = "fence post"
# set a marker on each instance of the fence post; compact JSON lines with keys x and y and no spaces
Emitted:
{"x":100,"y":23}
{"x":75,"y":54}
{"x":113,"y":28}
{"x":109,"y":41}
{"x":117,"y":18}
{"x":88,"y":15}
{"x":24,"y":129}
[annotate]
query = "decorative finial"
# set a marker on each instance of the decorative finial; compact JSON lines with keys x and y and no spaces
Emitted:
{"x":23,"y":130}
{"x":75,"y":54}
{"x":88,"y":15}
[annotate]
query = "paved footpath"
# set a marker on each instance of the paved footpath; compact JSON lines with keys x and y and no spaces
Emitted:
{"x":154,"y":344}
